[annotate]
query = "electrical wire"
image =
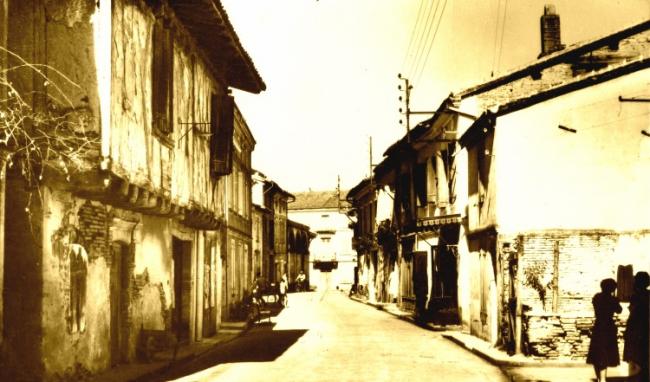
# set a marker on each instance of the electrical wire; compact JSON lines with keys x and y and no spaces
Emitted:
{"x":426,"y":41}
{"x":496,"y":35}
{"x":411,"y":38}
{"x":426,"y":59}
{"x":426,"y":29}
{"x":503,"y":30}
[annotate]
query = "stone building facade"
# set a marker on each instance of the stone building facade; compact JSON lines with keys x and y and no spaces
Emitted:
{"x":131,"y":238}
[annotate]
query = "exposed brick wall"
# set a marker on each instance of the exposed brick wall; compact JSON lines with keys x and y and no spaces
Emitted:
{"x":93,"y":228}
{"x":584,"y":259}
{"x":553,"y":336}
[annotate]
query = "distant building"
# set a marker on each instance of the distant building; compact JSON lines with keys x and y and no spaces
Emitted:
{"x":238,"y":272}
{"x":375,"y":241}
{"x":331,"y":257}
{"x":276,"y":200}
{"x":279,"y":245}
{"x":299,"y":238}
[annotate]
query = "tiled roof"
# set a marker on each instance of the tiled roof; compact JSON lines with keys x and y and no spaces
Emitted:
{"x":567,"y":55}
{"x":317,"y":200}
{"x":208,"y":23}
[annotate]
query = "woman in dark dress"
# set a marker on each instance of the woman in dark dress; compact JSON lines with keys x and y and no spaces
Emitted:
{"x":636,"y":330}
{"x":603,"y":348}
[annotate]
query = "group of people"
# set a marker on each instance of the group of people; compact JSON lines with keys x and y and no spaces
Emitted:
{"x":260,"y":286}
{"x":603,"y":348}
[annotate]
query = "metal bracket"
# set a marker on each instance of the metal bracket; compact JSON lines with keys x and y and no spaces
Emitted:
{"x":624,"y":99}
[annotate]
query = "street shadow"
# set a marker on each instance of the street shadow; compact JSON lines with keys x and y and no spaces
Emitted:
{"x":258,"y":345}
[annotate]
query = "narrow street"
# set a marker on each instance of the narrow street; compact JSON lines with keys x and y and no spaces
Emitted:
{"x":328,"y":337}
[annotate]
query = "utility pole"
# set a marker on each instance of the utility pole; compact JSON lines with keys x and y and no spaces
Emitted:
{"x":370,"y":157}
{"x":407,"y":97}
{"x":412,"y":213}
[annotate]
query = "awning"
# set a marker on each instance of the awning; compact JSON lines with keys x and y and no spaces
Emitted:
{"x":427,"y":224}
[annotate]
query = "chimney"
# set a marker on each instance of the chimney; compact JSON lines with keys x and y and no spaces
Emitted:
{"x":550,"y":25}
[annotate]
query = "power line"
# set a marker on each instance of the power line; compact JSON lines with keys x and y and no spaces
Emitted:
{"x":415,"y":26}
{"x":422,"y":27}
{"x":426,"y":39}
{"x":426,"y":59}
{"x":426,"y":29}
{"x":503,"y":30}
{"x":496,"y":31}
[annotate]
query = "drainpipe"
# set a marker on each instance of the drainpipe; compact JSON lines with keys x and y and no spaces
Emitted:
{"x":4,"y":8}
{"x":3,"y":175}
{"x":102,"y":29}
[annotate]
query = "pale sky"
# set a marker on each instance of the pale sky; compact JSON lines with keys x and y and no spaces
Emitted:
{"x":331,"y":68}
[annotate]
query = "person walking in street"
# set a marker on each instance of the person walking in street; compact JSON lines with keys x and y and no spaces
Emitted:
{"x":603,"y":348}
{"x":635,"y":351}
{"x":284,"y":286}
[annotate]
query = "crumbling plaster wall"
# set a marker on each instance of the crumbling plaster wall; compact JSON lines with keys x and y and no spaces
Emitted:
{"x":68,"y":221}
{"x":94,"y":227}
{"x":153,"y":272}
{"x":585,"y":258}
{"x":70,"y":53}
{"x":137,"y":154}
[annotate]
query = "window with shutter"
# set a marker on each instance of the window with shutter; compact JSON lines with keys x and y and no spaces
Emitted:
{"x":162,"y":79}
{"x":624,"y":282}
{"x":222,"y":125}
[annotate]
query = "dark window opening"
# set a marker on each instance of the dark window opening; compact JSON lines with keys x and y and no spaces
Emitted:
{"x":162,"y":79}
{"x":222,"y":113}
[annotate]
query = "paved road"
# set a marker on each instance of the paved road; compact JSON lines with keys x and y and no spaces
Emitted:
{"x":328,"y":337}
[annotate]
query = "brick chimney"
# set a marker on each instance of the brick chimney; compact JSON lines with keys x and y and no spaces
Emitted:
{"x":550,"y":28}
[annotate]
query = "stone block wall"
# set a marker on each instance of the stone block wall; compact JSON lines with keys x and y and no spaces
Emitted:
{"x":563,"y":337}
{"x":584,"y":258}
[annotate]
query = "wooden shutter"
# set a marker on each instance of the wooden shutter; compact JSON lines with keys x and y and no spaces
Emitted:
{"x":625,"y":282}
{"x":222,"y":121}
{"x":162,"y":78}
{"x":420,"y":183}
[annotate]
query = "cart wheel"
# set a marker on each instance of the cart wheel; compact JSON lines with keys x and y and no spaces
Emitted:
{"x":253,"y":313}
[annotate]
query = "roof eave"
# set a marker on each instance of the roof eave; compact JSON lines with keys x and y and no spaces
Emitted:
{"x":555,"y":58}
{"x":208,"y":23}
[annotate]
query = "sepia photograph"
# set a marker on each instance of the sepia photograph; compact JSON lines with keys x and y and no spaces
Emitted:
{"x":324,"y":190}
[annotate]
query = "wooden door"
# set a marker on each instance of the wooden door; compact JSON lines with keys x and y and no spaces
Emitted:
{"x":208,"y":293}
{"x":119,"y":284}
{"x":182,"y":256}
{"x":420,"y":281}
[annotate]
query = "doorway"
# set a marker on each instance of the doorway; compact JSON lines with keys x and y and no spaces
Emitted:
{"x":209,"y":272}
{"x":182,"y":256}
{"x":119,"y":302}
